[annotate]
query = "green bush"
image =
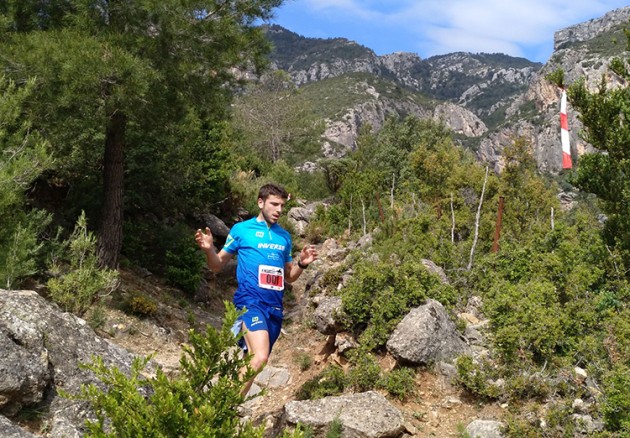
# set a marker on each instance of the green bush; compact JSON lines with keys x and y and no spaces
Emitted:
{"x":184,"y":267}
{"x":140,"y":304}
{"x":200,"y":401}
{"x":20,"y":259}
{"x":81,"y":278}
{"x":380,"y":295}
{"x":365,"y":372}
{"x":475,"y":378}
{"x":331,"y":381}
{"x":527,"y":319}
{"x":399,"y":382}
{"x":335,"y":429}
{"x":616,"y":405}
{"x":303,"y":360}
{"x":24,"y":157}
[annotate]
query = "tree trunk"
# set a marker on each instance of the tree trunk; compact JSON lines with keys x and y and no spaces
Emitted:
{"x":111,"y":232}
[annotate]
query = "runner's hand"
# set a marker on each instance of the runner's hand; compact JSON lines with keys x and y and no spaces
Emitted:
{"x":308,"y":255}
{"x":204,"y":239}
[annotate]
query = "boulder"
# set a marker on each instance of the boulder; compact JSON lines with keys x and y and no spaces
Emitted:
{"x":10,"y":430}
{"x":59,"y":342}
{"x":23,"y":375}
{"x":367,"y":414}
{"x":435,"y":269}
{"x":485,"y":429}
{"x":426,"y":335}
{"x":325,"y":316}
{"x":216,"y":225}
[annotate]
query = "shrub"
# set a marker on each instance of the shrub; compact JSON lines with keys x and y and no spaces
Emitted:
{"x":365,"y":372}
{"x":20,"y":258}
{"x":97,"y":317}
{"x":527,"y":318}
{"x":475,"y":378}
{"x":201,"y":401}
{"x":303,"y":360}
{"x":139,"y":304}
{"x":23,"y":159}
{"x":335,"y":429}
{"x":616,"y":405}
{"x":183,"y":264}
{"x":380,"y":295}
{"x":331,"y":381}
{"x":399,"y":382}
{"x":77,"y":288}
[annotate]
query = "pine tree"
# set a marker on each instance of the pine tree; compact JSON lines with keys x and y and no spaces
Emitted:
{"x":118,"y":79}
{"x":605,"y":114}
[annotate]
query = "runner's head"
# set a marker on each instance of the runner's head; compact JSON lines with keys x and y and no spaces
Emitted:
{"x":271,"y":201}
{"x":272,"y":189}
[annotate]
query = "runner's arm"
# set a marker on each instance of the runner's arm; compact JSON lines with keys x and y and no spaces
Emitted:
{"x":216,"y":261}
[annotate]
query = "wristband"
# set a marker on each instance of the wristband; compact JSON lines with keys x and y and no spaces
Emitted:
{"x":301,"y":266}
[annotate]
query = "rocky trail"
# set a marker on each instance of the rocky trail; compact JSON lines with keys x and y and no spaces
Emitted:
{"x":437,"y":408}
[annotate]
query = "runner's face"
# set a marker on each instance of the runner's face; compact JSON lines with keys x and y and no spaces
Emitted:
{"x":271,"y":208}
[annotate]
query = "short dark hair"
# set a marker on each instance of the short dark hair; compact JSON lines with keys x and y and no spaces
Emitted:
{"x":272,"y":189}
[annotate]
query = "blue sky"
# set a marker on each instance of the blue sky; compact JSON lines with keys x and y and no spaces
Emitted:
{"x":522,"y":28}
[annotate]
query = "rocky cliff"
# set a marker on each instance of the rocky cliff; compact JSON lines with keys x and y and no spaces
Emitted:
{"x":470,"y":80}
{"x":581,"y":51}
{"x":492,"y":97}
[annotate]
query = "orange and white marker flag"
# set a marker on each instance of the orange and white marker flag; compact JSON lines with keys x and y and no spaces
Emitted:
{"x":564,"y":133}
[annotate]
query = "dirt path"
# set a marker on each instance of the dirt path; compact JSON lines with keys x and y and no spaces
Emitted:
{"x":436,"y":409}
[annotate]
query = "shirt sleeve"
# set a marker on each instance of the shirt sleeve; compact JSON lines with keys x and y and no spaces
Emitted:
{"x":233,"y":240}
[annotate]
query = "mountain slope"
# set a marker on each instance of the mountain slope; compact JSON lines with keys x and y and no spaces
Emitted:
{"x":482,"y":83}
{"x":493,"y":98}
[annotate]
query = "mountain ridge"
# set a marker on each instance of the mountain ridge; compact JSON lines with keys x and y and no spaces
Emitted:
{"x":508,"y":95}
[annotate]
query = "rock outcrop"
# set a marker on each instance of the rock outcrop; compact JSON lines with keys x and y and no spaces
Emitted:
{"x":44,"y":349}
{"x":363,"y":415}
{"x":492,"y":97}
{"x":426,"y":335}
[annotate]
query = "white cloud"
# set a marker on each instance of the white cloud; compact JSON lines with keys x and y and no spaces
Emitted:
{"x":516,"y":27}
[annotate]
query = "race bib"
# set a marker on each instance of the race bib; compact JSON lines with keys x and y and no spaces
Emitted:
{"x":270,"y":277}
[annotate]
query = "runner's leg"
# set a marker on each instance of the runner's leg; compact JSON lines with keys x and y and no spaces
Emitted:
{"x":258,"y":346}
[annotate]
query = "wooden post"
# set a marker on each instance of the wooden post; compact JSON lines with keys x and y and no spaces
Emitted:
{"x":497,"y":229}
{"x":380,"y":208}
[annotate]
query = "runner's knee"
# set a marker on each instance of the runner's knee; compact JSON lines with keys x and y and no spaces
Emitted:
{"x":259,"y":360}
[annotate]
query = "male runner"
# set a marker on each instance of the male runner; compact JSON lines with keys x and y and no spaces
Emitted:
{"x":264,"y":265}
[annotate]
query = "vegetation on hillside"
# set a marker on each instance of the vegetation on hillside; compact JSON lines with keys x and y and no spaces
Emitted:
{"x":294,"y":52}
{"x":557,"y":292}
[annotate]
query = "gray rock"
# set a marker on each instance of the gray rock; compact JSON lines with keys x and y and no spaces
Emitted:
{"x":325,"y":316}
{"x":10,"y":430}
{"x":299,"y":227}
{"x":426,"y":335}
{"x":273,"y":377}
{"x":216,"y":225}
{"x":44,"y":331}
{"x":302,"y":213}
{"x":365,"y":241}
{"x":367,"y":414}
{"x":435,"y":269}
{"x":586,"y":424}
{"x":344,"y":342}
{"x":485,"y":429}
{"x":446,"y":369}
{"x":23,"y":376}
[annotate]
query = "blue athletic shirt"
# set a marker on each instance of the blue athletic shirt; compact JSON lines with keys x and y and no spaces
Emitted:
{"x":262,"y":253}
